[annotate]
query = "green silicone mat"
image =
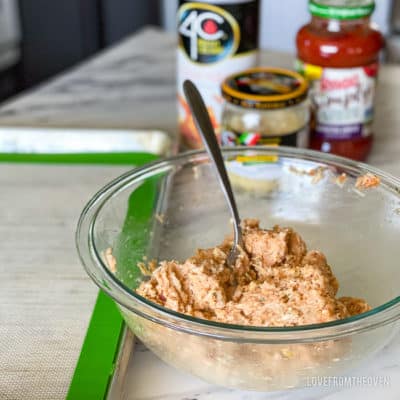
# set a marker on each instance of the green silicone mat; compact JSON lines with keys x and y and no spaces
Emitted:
{"x":97,"y":360}
{"x":134,"y":159}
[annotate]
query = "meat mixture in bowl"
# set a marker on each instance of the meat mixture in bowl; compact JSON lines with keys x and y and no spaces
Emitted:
{"x":276,"y":281}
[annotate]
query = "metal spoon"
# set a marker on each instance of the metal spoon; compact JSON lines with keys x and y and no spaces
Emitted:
{"x":206,"y":130}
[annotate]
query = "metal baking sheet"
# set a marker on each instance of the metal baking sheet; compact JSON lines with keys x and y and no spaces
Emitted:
{"x":38,"y":140}
{"x":146,"y":377}
{"x":91,"y":146}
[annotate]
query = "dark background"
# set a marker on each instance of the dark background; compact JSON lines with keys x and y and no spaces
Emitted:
{"x":57,"y":34}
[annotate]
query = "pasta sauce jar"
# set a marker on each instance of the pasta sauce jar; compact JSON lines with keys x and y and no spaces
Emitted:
{"x":338,"y":52}
{"x":265,"y":106}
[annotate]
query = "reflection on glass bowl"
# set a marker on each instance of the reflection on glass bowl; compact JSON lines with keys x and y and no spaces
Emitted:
{"x":168,"y":209}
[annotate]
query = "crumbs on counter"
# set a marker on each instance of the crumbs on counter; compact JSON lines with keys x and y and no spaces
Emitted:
{"x":367,"y":181}
{"x":147,"y":269}
{"x":340,"y":180}
{"x":298,"y":171}
{"x":111,"y":262}
{"x":160,"y":218}
{"x":359,"y":192}
{"x":196,"y":172}
{"x":287,"y":354}
{"x":316,"y":173}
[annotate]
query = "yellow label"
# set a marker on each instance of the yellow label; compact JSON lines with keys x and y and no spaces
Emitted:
{"x":207,"y":33}
{"x":209,"y":47}
{"x":258,"y":159}
{"x":309,"y":71}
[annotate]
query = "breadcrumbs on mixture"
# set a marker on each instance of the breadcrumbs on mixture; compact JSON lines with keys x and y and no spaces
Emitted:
{"x":367,"y":181}
{"x":317,"y":173}
{"x":355,"y":306}
{"x":147,"y":268}
{"x":341,"y":179}
{"x":111,"y":262}
{"x":276,"y":281}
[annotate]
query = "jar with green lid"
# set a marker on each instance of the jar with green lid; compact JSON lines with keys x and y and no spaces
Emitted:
{"x":265,"y":106}
{"x":338,"y":52}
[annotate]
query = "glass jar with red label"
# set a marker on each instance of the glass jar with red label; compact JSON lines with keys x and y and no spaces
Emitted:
{"x":338,"y":52}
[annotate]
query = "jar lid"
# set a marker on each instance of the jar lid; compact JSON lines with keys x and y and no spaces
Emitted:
{"x":265,"y":88}
{"x":341,"y":9}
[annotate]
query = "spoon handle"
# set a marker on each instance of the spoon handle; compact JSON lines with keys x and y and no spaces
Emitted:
{"x":206,"y":130}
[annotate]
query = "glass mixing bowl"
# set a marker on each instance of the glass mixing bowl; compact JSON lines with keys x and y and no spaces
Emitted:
{"x":166,"y":210}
